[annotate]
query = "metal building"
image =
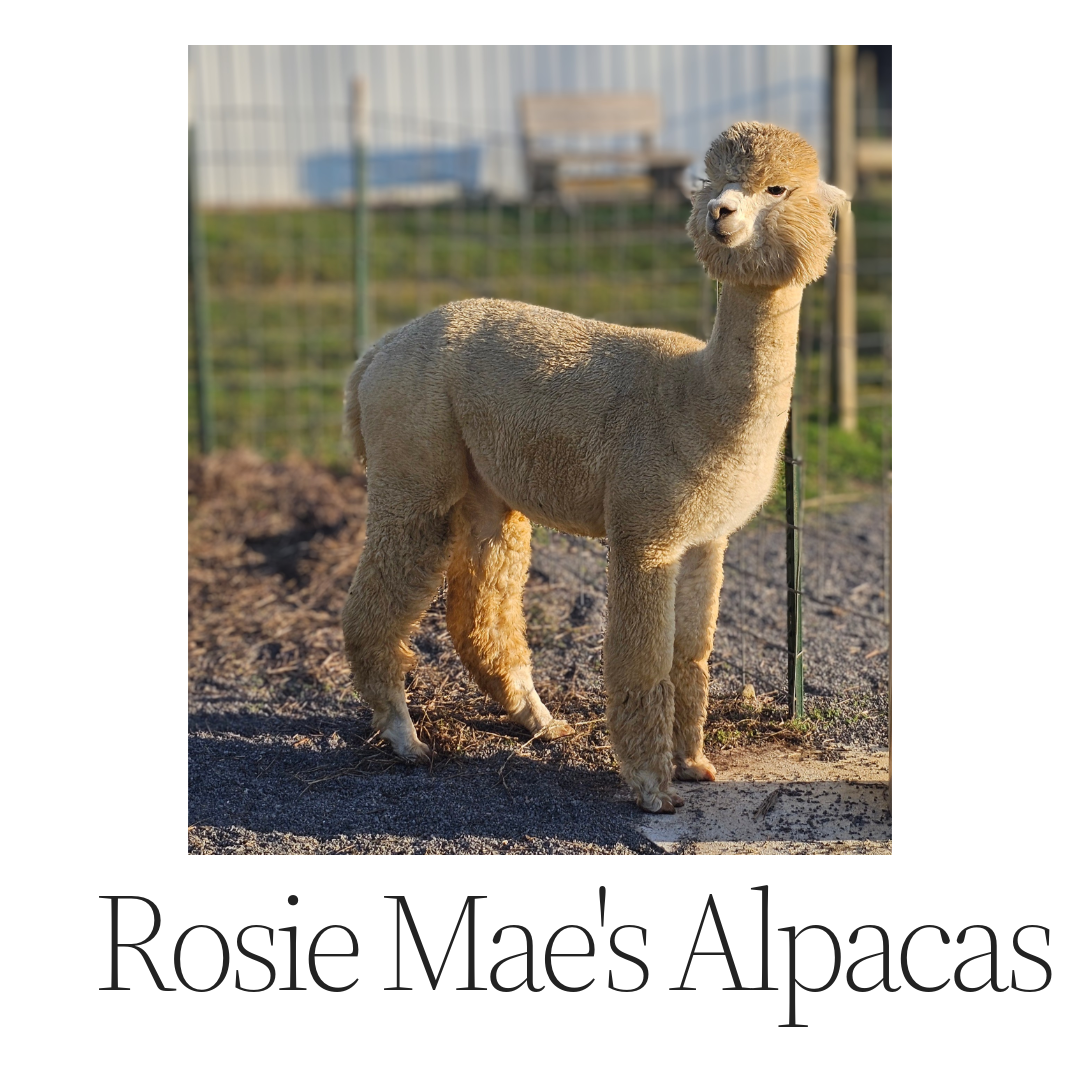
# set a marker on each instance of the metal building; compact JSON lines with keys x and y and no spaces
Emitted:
{"x":272,"y":120}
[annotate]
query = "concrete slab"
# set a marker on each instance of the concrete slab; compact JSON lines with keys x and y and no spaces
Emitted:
{"x":778,"y":802}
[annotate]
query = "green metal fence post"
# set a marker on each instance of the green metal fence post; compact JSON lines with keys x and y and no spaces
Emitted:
{"x":793,"y":493}
{"x":197,"y":279}
{"x":360,"y":217}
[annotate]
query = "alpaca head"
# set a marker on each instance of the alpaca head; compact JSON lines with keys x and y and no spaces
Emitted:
{"x":764,"y":217}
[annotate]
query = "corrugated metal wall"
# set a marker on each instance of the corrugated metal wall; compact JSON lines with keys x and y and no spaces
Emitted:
{"x":265,"y":114}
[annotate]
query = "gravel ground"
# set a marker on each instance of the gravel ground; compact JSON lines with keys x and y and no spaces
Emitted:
{"x":280,"y":759}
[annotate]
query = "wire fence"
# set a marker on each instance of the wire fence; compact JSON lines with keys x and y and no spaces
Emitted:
{"x":276,"y":307}
{"x":280,"y":305}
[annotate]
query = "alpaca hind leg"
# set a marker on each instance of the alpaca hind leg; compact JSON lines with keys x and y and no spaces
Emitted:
{"x":697,"y":603}
{"x":399,"y":573}
{"x":637,"y":663}
{"x":489,"y":563}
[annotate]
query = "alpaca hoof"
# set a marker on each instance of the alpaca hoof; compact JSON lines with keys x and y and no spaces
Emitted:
{"x":661,"y":804}
{"x":555,"y":730}
{"x":534,"y":717}
{"x":405,"y":745}
{"x":701,"y":769}
{"x":420,"y":754}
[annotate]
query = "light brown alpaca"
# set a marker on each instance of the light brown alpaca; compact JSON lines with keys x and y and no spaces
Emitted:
{"x":484,"y":414}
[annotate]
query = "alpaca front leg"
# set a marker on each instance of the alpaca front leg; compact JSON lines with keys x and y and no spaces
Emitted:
{"x":637,"y":660}
{"x":697,"y":604}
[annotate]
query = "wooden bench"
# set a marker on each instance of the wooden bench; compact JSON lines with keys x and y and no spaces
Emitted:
{"x":573,"y":174}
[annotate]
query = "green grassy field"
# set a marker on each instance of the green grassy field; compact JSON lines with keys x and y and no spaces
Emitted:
{"x":281,"y":308}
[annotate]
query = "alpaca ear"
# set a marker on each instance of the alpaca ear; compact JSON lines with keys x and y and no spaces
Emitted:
{"x":833,"y":198}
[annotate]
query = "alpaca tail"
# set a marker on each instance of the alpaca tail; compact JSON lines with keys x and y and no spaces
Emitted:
{"x":352,"y":395}
{"x":352,"y":405}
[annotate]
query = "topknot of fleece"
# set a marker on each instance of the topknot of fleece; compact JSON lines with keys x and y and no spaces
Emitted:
{"x":757,"y":154}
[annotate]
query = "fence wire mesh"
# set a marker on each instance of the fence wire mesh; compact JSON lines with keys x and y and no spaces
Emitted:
{"x":278,"y":304}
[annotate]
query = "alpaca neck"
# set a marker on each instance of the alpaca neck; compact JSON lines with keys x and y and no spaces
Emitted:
{"x":751,"y":352}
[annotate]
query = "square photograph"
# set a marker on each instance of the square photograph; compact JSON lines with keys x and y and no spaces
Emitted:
{"x":540,"y":449}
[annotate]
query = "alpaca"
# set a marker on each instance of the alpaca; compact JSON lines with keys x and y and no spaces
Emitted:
{"x":485,"y":414}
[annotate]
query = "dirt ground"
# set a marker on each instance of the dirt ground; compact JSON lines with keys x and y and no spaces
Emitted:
{"x":280,"y":755}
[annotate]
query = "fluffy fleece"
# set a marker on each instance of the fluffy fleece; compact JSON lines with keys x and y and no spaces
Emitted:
{"x":484,"y":414}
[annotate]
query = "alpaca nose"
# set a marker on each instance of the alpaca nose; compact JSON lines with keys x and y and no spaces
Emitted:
{"x":718,"y":209}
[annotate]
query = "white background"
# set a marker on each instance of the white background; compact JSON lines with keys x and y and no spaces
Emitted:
{"x":984,"y":646}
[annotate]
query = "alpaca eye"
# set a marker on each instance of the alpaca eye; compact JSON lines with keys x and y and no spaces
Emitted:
{"x":776,"y":190}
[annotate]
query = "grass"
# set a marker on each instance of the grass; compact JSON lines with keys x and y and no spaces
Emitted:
{"x":850,"y":711}
{"x":281,"y":308}
{"x":730,"y":725}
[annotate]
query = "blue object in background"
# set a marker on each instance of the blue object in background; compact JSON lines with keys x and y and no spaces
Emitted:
{"x":328,"y":176}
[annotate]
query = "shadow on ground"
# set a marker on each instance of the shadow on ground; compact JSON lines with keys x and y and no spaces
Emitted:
{"x":260,"y":791}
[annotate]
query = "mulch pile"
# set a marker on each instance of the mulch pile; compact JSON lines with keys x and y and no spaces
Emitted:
{"x":272,"y":549}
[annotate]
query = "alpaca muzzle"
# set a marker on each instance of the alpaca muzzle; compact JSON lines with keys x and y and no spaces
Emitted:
{"x":719,"y":214}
